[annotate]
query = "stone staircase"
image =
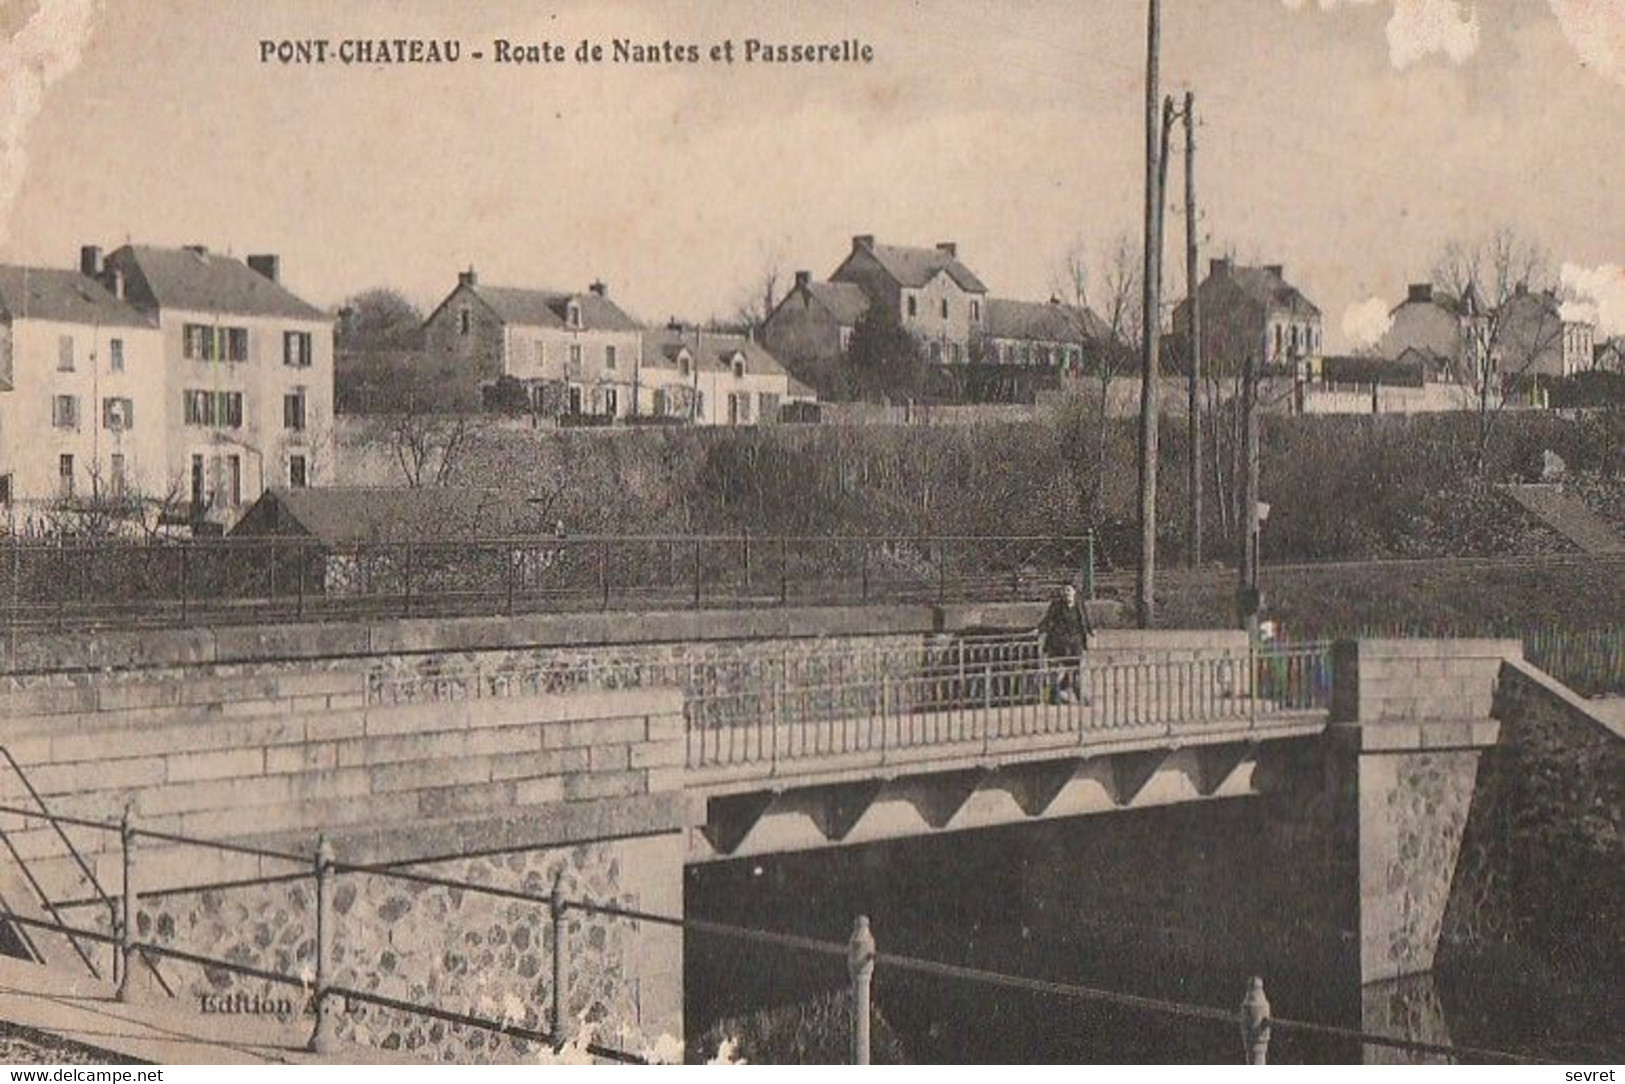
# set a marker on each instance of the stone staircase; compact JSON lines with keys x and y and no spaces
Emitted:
{"x":1568,"y":517}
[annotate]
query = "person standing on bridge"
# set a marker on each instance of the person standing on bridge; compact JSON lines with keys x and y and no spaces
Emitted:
{"x":1063,"y":634}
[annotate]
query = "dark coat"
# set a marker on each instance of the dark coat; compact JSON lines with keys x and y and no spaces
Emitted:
{"x":1064,"y":630}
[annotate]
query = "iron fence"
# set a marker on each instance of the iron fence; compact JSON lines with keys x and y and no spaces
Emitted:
{"x":975,"y":695}
{"x":67,"y":584}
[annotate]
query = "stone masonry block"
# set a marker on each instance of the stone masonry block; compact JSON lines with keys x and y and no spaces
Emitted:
{"x":328,"y":726}
{"x":411,"y":775}
{"x":664,"y":727}
{"x":609,"y":758}
{"x":660,"y":754}
{"x":317,"y":756}
{"x":593,"y":732}
{"x":216,"y":794}
{"x":220,"y":764}
{"x":543,"y":791}
{"x":555,"y":762}
{"x":607,"y":785}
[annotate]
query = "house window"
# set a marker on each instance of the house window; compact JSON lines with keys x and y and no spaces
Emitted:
{"x":975,"y":311}
{"x":117,"y":480}
{"x":296,"y":349}
{"x":234,"y":479}
{"x":660,"y":401}
{"x":64,"y":354}
{"x":64,"y":472}
{"x":609,"y":357}
{"x":913,"y":305}
{"x":575,"y":360}
{"x":682,"y":365}
{"x":1277,"y":338}
{"x":572,"y":314}
{"x":5,"y":489}
{"x":846,"y":338}
{"x":293,"y":409}
{"x":198,"y":495}
{"x":612,"y":402}
{"x":945,"y":308}
{"x":575,"y":399}
{"x":465,"y":321}
{"x":115,"y":355}
{"x":65,"y":411}
{"x":202,"y":343}
{"x":739,"y":368}
{"x":297,"y":477}
{"x":118,"y":414}
{"x":936,"y":352}
{"x":220,"y":408}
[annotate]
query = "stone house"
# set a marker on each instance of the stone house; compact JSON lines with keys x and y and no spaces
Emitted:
{"x":810,"y":328}
{"x":82,"y":389}
{"x":247,"y":372}
{"x":574,"y":353}
{"x":714,"y":378}
{"x":1434,"y":324}
{"x":1255,"y":311}
{"x":1535,"y":338}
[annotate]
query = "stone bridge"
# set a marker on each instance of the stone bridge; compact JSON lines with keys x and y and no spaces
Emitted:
{"x":616,"y":765}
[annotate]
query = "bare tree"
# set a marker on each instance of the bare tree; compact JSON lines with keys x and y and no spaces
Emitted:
{"x":761,"y":296}
{"x":1107,"y":332}
{"x":1511,"y":321}
{"x":426,"y":434}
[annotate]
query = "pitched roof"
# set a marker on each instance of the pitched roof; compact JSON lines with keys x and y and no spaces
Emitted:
{"x":181,"y":278}
{"x":347,"y":515}
{"x":48,"y":293}
{"x":711,"y":350}
{"x":1042,"y":322}
{"x":546,"y":308}
{"x":914,"y":267}
{"x":846,"y":301}
{"x":1267,"y":288}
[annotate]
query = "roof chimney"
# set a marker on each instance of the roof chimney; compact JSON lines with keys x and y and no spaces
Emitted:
{"x":1218,"y":266}
{"x":1420,"y":291}
{"x":598,"y":287}
{"x":803,"y":279}
{"x":865,"y":241}
{"x":268,"y":265}
{"x":1278,"y":270}
{"x":468,"y":278}
{"x":197,"y":250}
{"x":949,"y":249}
{"x":90,"y":260}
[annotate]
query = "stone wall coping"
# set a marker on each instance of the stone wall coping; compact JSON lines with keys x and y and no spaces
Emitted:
{"x":1484,"y":648}
{"x":1521,"y":669}
{"x":531,"y":827}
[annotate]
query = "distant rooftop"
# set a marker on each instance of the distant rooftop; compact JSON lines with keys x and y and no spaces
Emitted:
{"x":197,"y":280}
{"x":48,"y":293}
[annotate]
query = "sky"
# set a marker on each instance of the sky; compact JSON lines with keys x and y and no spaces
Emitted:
{"x":1348,"y":140}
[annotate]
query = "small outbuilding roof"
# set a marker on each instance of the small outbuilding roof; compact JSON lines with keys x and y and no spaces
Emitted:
{"x":352,"y":515}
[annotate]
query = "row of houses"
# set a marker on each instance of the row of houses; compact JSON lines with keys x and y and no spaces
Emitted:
{"x":175,"y":375}
{"x":579,"y":355}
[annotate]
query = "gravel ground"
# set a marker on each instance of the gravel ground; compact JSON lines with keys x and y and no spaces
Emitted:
{"x":25,"y":1046}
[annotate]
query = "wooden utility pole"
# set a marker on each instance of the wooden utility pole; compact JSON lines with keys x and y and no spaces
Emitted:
{"x":1193,"y":415}
{"x":1247,"y":597}
{"x":1151,"y":277}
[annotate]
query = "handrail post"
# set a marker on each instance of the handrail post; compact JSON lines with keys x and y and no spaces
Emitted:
{"x":1089,"y":566}
{"x":128,"y":905}
{"x":513,"y":556}
{"x":1255,"y":1023}
{"x":321,"y":1035}
{"x":302,"y":555}
{"x":603,"y":573}
{"x":860,"y":965}
{"x":784,"y":571}
{"x":561,"y":930}
{"x":186,"y":548}
{"x":697,"y":561}
{"x":863,"y":556}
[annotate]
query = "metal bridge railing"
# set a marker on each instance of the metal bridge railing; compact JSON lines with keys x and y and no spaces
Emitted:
{"x":969,"y":695}
{"x":71,"y":584}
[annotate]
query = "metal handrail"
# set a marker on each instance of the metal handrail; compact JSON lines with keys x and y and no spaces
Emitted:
{"x":56,"y":821}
